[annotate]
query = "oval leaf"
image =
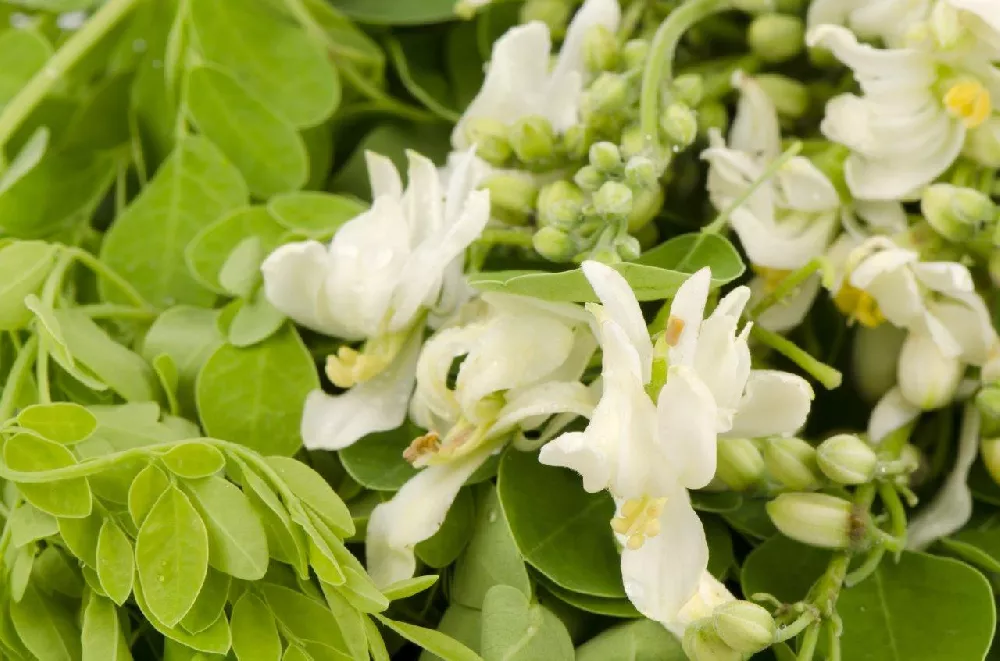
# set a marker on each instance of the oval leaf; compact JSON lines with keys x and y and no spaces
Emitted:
{"x":237,"y":542}
{"x":115,"y":562}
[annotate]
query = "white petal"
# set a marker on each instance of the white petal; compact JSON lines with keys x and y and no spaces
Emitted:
{"x":622,"y":307}
{"x":465,"y":171}
{"x":804,"y":187}
{"x":768,"y":243}
{"x":414,"y":514}
{"x":722,"y":360}
{"x":967,"y":320}
{"x":578,"y":452}
{"x":986,"y":10}
{"x":891,"y":413}
{"x":294,"y":276}
{"x":774,"y":403}
{"x":433,"y":397}
{"x":880,"y":263}
{"x":883,"y":217}
{"x":423,"y":199}
{"x":788,"y":313}
{"x":383,"y":176}
{"x":866,"y":61}
{"x":686,"y":414}
{"x":755,"y":129}
{"x":332,"y":422}
{"x":663,"y":574}
{"x":945,"y":277}
{"x":593,"y":13}
{"x":689,"y":307}
{"x":952,"y":506}
{"x":927,"y":377}
{"x":541,"y":401}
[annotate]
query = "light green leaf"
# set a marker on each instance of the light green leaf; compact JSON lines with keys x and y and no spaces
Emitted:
{"x":255,"y":321}
{"x":192,"y":188}
{"x":389,"y":12}
{"x":46,"y":626}
{"x":263,"y":145}
{"x":24,"y":265}
{"x":209,"y":605}
{"x":285,"y":541}
{"x":115,"y":562}
{"x":656,"y":275}
{"x":63,"y":498}
{"x":103,"y":639}
{"x":462,"y":624}
{"x":21,"y":570}
{"x":292,"y":74}
{"x":377,"y":463}
{"x":58,"y":573}
{"x":642,"y":640}
{"x":27,"y":523}
{"x":316,"y":215}
{"x":166,"y":373}
{"x":310,"y":487}
{"x":101,"y":121}
{"x":27,"y":158}
{"x":430,"y":640}
{"x":146,"y":489}
{"x":255,"y":633}
{"x":241,"y":270}
{"x":514,"y":630}
{"x":254,"y":395}
{"x":569,"y":540}
{"x":189,"y":336}
{"x":193,"y":460}
{"x":51,"y":338}
{"x":214,"y":639}
{"x":171,"y":553}
{"x":81,"y":535}
{"x":210,"y":249}
{"x":409,"y":587}
{"x":306,"y":620}
{"x":622,"y":608}
{"x":62,"y":422}
{"x":24,"y":53}
{"x":236,"y":539}
{"x":448,"y":542}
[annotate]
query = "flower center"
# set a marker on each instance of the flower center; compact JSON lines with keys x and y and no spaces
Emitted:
{"x":351,"y":367}
{"x":969,"y":101}
{"x":639,"y":520}
{"x":771,"y":277}
{"x":858,"y":305}
{"x":422,"y":447}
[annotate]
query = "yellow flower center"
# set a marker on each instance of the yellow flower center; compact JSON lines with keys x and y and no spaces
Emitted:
{"x":771,"y":277}
{"x":858,"y":305}
{"x":350,"y":367}
{"x":639,"y":520}
{"x":969,"y":101}
{"x":422,"y":447}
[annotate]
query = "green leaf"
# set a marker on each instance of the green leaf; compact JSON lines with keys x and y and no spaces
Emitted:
{"x":51,"y":338}
{"x":255,"y":633}
{"x":307,"y":621}
{"x":241,"y":270}
{"x":292,"y":74}
{"x":192,"y":188}
{"x":145,"y":491}
{"x":209,"y":605}
{"x":491,"y":558}
{"x":461,"y":624}
{"x":46,"y":626}
{"x":310,"y":487}
{"x":189,"y":336}
{"x":63,"y":498}
{"x":254,"y":395}
{"x":656,"y":275}
{"x":24,"y":266}
{"x":255,"y":321}
{"x":236,"y":539}
{"x":27,"y":523}
{"x":57,"y":573}
{"x":978,"y":547}
{"x":115,"y":562}
{"x":214,"y":639}
{"x":316,"y":215}
{"x":514,"y":630}
{"x":642,"y":640}
{"x":166,"y":374}
{"x":193,"y":460}
{"x":389,"y":12}
{"x":103,"y":639}
{"x":720,"y":547}
{"x":377,"y":463}
{"x":432,"y":641}
{"x":171,"y":553}
{"x":409,"y":587}
{"x":21,"y":570}
{"x":285,"y":541}
{"x":620,"y":607}
{"x":751,"y":519}
{"x":448,"y":542}
{"x":24,"y":53}
{"x":28,"y":156}
{"x":465,"y":68}
{"x":81,"y":535}
{"x":263,"y":145}
{"x":208,"y":251}
{"x":62,"y":422}
{"x":569,"y":540}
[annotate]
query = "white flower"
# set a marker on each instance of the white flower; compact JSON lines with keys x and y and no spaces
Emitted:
{"x":520,"y":82}
{"x":648,"y":455}
{"x":889,"y":20}
{"x":521,"y":363}
{"x":377,"y":280}
{"x":911,"y":121}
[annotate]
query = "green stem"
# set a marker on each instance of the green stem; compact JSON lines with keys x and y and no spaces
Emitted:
{"x":102,"y":270}
{"x":99,"y":25}
{"x":659,"y":66}
{"x":495,"y":237}
{"x":808,"y":647}
{"x":15,"y":379}
{"x":420,"y":94}
{"x":894,"y":506}
{"x":786,"y":287}
{"x":113,"y":311}
{"x":826,"y":375}
{"x":795,"y":628}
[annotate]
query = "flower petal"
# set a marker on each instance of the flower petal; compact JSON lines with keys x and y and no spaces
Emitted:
{"x":774,"y":403}
{"x":789,"y":312}
{"x":383,"y":176}
{"x":755,"y":129}
{"x":622,"y":307}
{"x":686,"y":423}
{"x":540,"y":402}
{"x":294,"y":276}
{"x":688,"y":307}
{"x":711,"y":594}
{"x":578,"y":452}
{"x":891,"y":413}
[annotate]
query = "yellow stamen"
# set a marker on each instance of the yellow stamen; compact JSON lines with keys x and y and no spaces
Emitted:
{"x":771,"y":277}
{"x":421,"y":447}
{"x":639,"y":520}
{"x":969,"y":101}
{"x":672,"y":333}
{"x":858,"y":305}
{"x":340,"y":369}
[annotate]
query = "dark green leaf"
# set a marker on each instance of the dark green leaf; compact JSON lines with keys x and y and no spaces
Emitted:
{"x":514,"y":630}
{"x":448,"y":542}
{"x":389,"y":12}
{"x":103,"y":639}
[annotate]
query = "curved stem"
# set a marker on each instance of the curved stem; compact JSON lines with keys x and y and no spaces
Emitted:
{"x":102,"y":270}
{"x":15,"y":379}
{"x":786,"y":287}
{"x":828,"y":376}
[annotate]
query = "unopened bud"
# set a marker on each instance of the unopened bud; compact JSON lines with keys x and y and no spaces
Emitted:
{"x":512,"y":196}
{"x":613,"y":199}
{"x":553,"y":13}
{"x":589,"y":178}
{"x":846,"y":459}
{"x":640,"y":172}
{"x":679,"y":124}
{"x":874,"y":359}
{"x":646,"y":204}
{"x":605,"y":157}
{"x":576,"y":141}
{"x":816,"y":519}
{"x":607,"y":94}
{"x":688,"y":88}
{"x":712,"y":115}
{"x":755,"y":6}
{"x":776,"y":37}
{"x":628,"y":248}
{"x":989,"y":449}
{"x":532,"y":139}
{"x":982,"y":144}
{"x":553,"y":244}
{"x":789,"y":96}
{"x":600,"y":49}
{"x":633,"y":142}
{"x":740,"y":463}
{"x":702,"y":643}
{"x":994,"y":265}
{"x":927,"y":378}
{"x":956,"y":213}
{"x":744,"y":626}
{"x":792,"y":462}
{"x":560,"y":204}
{"x":490,"y":138}
{"x":988,"y":403}
{"x":634,"y":53}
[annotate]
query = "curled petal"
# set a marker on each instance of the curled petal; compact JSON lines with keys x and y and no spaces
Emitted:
{"x":686,"y":413}
{"x":890,"y":413}
{"x":621,"y":307}
{"x":774,"y":404}
{"x":578,"y":452}
{"x":294,"y":277}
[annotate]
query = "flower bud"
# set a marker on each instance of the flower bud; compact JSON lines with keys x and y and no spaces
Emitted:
{"x":512,"y":196}
{"x":560,"y":204}
{"x":688,"y":88}
{"x":589,"y":178}
{"x":927,"y":378}
{"x":789,"y":96}
{"x":988,"y":403}
{"x":553,"y":244}
{"x":776,"y":37}
{"x":989,"y":450}
{"x":645,"y":205}
{"x":613,"y":199}
{"x":874,"y":359}
{"x":846,"y":459}
{"x":553,"y":13}
{"x":628,"y":248}
{"x":633,"y":142}
{"x":600,"y":49}
{"x":532,"y":139}
{"x":490,"y":138}
{"x":740,"y":463}
{"x":679,"y":124}
{"x":634,"y":53}
{"x":702,"y":643}
{"x":608,"y":94}
{"x":990,"y":372}
{"x":956,"y":213}
{"x":640,"y":173}
{"x":712,"y":115}
{"x":994,"y":265}
{"x":816,"y":519}
{"x":605,"y":157}
{"x":744,"y":626}
{"x":754,"y":6}
{"x":982,"y":144}
{"x":792,"y":462}
{"x":576,"y":140}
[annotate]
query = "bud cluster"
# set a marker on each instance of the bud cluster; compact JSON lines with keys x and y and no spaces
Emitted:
{"x":735,"y":630}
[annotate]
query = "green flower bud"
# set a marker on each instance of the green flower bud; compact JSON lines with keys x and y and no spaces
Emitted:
{"x":576,"y":141}
{"x":605,"y":157}
{"x":490,"y":138}
{"x":816,"y":519}
{"x":792,"y":462}
{"x":589,"y":178}
{"x":554,"y":13}
{"x":608,"y":94}
{"x":512,"y":196}
{"x":776,"y":37}
{"x":532,"y":139}
{"x":600,"y":49}
{"x":744,"y":626}
{"x":755,"y":6}
{"x":640,"y":173}
{"x":982,"y":144}
{"x":846,"y":459}
{"x":712,"y":115}
{"x":613,"y":199}
{"x":988,"y":402}
{"x":927,"y":378}
{"x":634,"y":53}
{"x":680,"y":124}
{"x":560,"y":204}
{"x":688,"y":88}
{"x":628,"y":248}
{"x":646,"y":204}
{"x":957,"y":214}
{"x":553,"y":244}
{"x":989,"y":449}
{"x":740,"y":463}
{"x":789,"y":96}
{"x":633,"y":142}
{"x":702,"y":643}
